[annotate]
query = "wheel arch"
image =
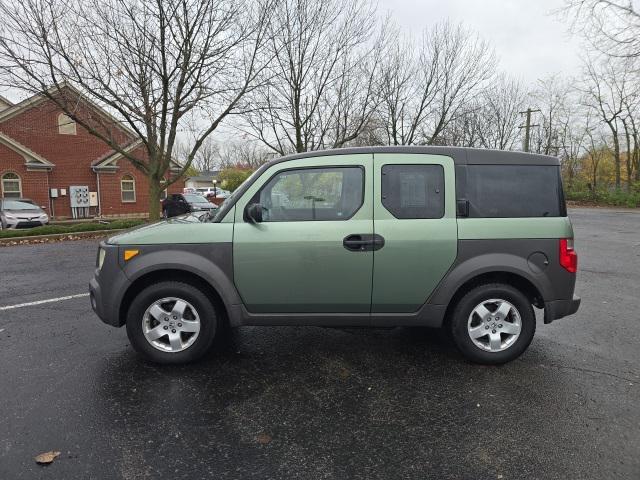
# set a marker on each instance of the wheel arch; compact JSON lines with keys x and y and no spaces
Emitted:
{"x":174,"y":274}
{"x":518,"y":281}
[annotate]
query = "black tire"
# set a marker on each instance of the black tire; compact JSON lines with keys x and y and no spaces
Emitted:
{"x":458,"y":323}
{"x":209,"y":322}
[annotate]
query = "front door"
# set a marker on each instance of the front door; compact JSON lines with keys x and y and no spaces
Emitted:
{"x":305,"y":256}
{"x":414,"y":211}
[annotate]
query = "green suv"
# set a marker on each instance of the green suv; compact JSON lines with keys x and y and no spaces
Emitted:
{"x":470,"y":240}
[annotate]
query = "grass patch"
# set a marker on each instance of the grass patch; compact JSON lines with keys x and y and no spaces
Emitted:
{"x":73,"y":228}
{"x":615,"y":198}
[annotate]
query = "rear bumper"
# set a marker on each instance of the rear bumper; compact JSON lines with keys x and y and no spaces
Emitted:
{"x":560,"y":308}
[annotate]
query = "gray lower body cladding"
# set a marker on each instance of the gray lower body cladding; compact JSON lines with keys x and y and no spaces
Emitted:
{"x":534,"y":260}
{"x":210,"y":263}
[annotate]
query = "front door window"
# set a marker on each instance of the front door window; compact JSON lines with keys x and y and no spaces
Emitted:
{"x":313,"y":194}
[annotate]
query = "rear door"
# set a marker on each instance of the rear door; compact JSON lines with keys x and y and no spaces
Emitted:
{"x":305,"y":256}
{"x":414,"y":211}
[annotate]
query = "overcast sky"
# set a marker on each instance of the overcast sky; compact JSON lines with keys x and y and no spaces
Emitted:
{"x":530,"y":41}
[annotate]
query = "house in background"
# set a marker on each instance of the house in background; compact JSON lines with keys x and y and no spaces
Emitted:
{"x":203,"y":180}
{"x":45,"y":156}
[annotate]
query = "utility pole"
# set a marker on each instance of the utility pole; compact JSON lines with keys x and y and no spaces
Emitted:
{"x":527,"y":127}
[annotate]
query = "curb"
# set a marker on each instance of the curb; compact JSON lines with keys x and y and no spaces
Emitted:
{"x":54,"y":236}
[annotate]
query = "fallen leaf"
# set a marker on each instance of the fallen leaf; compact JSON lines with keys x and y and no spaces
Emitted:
{"x":47,"y":457}
{"x":263,"y":438}
{"x":344,"y":373}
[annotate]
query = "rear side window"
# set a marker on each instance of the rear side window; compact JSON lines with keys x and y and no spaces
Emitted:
{"x":413,"y":191}
{"x":501,"y":191}
{"x":313,"y":194}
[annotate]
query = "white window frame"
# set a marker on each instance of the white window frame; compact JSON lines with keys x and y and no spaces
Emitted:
{"x":129,"y":179}
{"x":66,"y":125}
{"x":4,"y":190}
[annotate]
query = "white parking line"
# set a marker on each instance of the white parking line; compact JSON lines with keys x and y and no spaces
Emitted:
{"x":40,"y":302}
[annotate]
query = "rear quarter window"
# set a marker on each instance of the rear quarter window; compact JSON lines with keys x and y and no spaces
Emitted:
{"x":512,"y":191}
{"x":413,"y":191}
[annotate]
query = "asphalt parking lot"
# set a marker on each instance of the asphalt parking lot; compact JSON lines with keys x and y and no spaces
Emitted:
{"x":322,"y":403}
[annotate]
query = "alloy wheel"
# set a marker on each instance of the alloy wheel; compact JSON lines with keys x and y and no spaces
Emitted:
{"x":171,"y":324}
{"x":494,"y":325}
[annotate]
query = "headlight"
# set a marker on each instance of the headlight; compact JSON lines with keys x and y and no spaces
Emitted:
{"x":101,"y":254}
{"x":10,"y":215}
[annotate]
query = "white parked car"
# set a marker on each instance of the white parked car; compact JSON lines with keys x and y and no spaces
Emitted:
{"x":21,"y":213}
{"x":210,"y":191}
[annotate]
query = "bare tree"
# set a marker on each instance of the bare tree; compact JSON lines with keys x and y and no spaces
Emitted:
{"x":208,"y":156}
{"x":465,"y":129}
{"x":596,"y":150}
{"x":502,"y":103}
{"x":424,"y":88}
{"x":408,"y":88}
{"x":550,"y":97}
{"x":605,"y":90}
{"x":465,"y":65}
{"x":160,"y":67}
{"x":611,"y":26}
{"x":572,"y":126}
{"x":630,"y":119}
{"x":245,"y":154}
{"x":318,"y":91}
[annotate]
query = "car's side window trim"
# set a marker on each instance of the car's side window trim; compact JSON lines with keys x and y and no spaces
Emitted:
{"x":256,"y":196}
{"x":442,"y":187}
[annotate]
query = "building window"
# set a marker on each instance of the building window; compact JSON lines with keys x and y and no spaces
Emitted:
{"x":66,"y":125}
{"x":163,"y":192}
{"x":11,"y":185}
{"x":128,"y":189}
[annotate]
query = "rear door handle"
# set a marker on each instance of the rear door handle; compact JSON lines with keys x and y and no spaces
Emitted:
{"x":363,"y":242}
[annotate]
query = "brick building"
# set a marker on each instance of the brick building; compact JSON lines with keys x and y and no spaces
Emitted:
{"x":43,"y":153}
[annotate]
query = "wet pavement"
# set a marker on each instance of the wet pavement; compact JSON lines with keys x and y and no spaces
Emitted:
{"x":286,"y":402}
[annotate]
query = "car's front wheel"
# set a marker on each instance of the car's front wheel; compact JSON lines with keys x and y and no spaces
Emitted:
{"x":172,"y":322}
{"x":493,"y":324}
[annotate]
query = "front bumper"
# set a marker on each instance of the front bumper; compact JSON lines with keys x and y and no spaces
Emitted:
{"x":107,"y":287}
{"x":556,"y":309}
{"x":15,"y":223}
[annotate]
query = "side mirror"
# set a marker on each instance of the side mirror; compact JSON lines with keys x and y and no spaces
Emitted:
{"x":253,"y":213}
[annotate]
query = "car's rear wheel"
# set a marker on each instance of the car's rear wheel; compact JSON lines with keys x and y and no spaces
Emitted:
{"x":172,"y":322}
{"x":493,"y":324}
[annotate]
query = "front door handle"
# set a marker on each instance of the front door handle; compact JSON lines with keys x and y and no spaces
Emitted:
{"x":363,"y":242}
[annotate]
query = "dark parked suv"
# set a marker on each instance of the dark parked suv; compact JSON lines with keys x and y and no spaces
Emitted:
{"x":470,"y":240}
{"x":181,"y":203}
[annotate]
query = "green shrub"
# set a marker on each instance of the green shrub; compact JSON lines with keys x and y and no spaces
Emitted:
{"x":71,"y":228}
{"x":617,"y":198}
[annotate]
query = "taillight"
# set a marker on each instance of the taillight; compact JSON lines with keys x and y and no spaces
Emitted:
{"x":568,"y":256}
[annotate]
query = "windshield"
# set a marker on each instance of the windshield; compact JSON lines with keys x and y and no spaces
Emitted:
{"x":192,"y":198}
{"x":222,"y":211}
{"x":18,"y":205}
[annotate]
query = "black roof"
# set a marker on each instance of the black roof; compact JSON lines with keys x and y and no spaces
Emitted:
{"x":460,"y":155}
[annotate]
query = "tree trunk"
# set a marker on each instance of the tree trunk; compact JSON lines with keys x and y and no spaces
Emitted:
{"x":616,"y":158}
{"x":154,"y":197}
{"x":636,"y":156}
{"x":628,"y":160}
